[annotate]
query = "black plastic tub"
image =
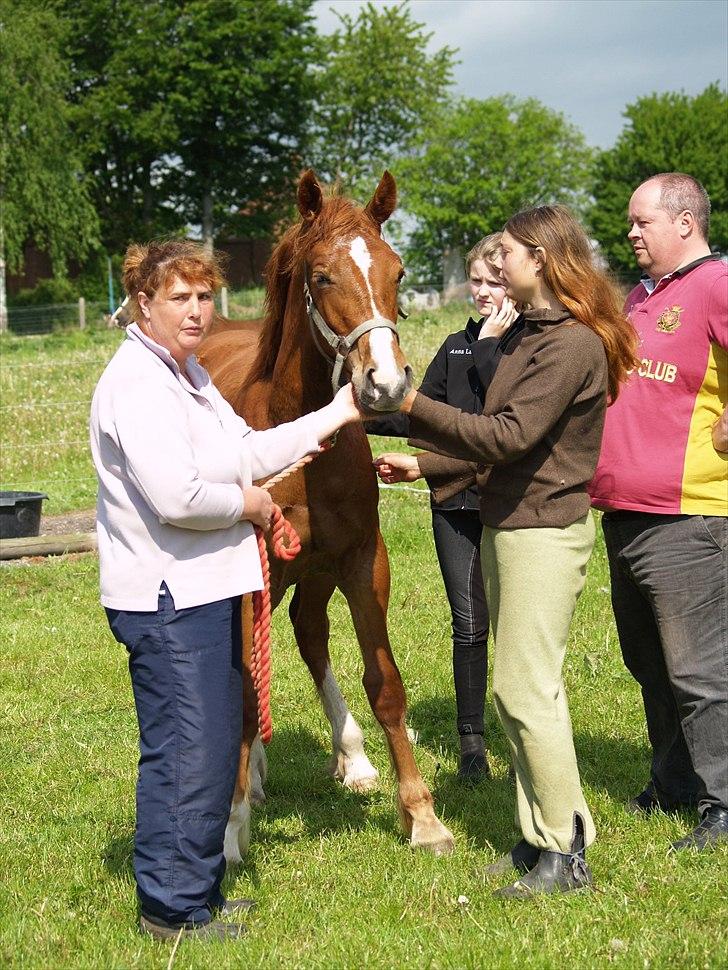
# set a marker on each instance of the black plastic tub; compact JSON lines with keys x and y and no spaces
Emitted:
{"x":20,"y":514}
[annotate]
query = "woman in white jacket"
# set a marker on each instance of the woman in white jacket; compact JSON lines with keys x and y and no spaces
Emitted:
{"x":175,"y":515}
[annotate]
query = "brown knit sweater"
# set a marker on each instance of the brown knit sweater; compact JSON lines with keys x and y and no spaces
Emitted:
{"x":540,"y":429}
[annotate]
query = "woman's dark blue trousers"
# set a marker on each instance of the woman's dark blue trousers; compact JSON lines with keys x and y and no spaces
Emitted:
{"x":186,"y":675}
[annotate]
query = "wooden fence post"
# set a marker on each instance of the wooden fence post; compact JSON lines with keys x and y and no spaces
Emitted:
{"x":224,"y":301}
{"x":81,"y":313}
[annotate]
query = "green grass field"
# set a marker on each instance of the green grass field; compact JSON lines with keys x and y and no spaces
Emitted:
{"x":337,"y":886}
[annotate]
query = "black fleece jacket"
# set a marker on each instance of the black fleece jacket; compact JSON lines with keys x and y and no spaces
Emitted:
{"x":459,"y":375}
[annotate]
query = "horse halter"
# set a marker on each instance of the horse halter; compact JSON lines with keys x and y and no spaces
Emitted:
{"x":343,"y":346}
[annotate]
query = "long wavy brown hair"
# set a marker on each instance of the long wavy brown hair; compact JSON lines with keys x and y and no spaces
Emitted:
{"x":588,"y":293}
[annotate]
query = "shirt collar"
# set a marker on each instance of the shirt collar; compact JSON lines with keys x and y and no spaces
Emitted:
{"x":472,"y":327}
{"x":650,"y":285}
{"x":198,"y":377}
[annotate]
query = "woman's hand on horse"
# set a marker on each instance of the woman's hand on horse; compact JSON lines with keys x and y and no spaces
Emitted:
{"x":257,"y":506}
{"x":346,"y":406}
{"x":394,"y":467}
{"x":341,"y":411}
{"x":499,"y":320}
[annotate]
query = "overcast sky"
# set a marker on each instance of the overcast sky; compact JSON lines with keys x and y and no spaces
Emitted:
{"x":585,"y":58}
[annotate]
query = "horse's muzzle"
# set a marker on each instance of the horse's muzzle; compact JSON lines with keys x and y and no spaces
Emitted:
{"x":382,"y":396}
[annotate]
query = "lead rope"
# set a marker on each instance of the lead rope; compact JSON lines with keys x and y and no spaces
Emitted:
{"x":286,"y":546}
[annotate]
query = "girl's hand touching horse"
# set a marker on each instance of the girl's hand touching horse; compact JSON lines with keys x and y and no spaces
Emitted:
{"x":393,"y":467}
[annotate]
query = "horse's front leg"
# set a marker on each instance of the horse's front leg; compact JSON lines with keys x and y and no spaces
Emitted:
{"x":349,"y":763}
{"x":367,"y":591}
{"x":252,"y":762}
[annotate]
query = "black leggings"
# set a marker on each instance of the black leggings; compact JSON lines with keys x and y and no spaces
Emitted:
{"x":457,"y":541}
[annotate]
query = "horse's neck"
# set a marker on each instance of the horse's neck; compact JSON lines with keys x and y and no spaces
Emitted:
{"x":301,"y":376}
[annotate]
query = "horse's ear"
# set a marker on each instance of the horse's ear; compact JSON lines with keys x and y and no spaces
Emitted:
{"x":310,"y":196}
{"x":384,"y":201}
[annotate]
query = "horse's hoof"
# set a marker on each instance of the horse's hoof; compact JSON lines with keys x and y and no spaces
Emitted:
{"x":357,"y":774}
{"x":362,"y":785}
{"x":445,"y":847}
{"x":231,"y":851}
{"x":435,"y":839}
{"x":237,"y":833}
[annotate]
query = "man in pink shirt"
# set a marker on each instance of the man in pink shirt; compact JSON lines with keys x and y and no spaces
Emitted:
{"x":662,"y":481}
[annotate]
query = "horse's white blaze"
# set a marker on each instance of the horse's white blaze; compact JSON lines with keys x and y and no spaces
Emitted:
{"x":386,"y":372}
{"x":381,"y":342}
{"x":359,"y":252}
{"x":349,"y":762}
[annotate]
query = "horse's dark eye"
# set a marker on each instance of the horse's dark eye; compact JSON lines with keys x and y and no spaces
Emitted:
{"x":321,"y":279}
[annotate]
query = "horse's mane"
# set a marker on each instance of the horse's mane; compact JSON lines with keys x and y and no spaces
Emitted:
{"x":338,"y":217}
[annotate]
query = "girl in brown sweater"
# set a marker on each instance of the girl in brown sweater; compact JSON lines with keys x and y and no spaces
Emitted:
{"x":533,"y":450}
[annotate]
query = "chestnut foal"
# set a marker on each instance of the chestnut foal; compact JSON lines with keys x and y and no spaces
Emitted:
{"x":331,"y":309}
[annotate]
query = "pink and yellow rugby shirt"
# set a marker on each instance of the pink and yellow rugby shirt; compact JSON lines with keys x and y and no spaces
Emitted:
{"x":657,"y":452}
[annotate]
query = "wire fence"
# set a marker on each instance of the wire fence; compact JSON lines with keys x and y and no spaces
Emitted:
{"x":29,"y":320}
{"x":45,"y":397}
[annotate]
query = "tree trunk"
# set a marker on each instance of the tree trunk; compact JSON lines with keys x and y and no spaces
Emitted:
{"x":207,"y":225}
{"x":3,"y":296}
{"x":147,"y":195}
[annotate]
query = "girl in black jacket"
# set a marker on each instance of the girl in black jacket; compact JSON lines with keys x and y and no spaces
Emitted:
{"x":458,"y":375}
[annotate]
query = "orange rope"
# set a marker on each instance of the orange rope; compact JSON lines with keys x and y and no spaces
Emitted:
{"x":286,"y":546}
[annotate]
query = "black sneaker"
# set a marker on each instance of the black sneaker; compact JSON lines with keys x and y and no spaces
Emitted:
{"x":648,"y":801}
{"x":713,"y":828}
{"x":214,"y":930}
{"x":232,"y":907}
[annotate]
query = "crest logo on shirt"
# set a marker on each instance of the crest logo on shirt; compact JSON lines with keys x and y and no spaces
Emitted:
{"x":669,"y":320}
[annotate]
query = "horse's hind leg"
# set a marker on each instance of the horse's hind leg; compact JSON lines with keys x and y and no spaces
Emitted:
{"x":237,"y":832}
{"x":367,"y":591}
{"x":349,"y":763}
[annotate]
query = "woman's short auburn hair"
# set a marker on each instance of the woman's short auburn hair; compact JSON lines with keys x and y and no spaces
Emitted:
{"x":151,"y":267}
{"x":488,"y":249}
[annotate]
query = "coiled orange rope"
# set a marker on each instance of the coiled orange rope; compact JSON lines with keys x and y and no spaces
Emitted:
{"x":286,"y":546}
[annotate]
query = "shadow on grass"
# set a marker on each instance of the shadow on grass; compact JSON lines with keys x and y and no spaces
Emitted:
{"x":303,"y":801}
{"x":617,"y":766}
{"x":299,"y":790}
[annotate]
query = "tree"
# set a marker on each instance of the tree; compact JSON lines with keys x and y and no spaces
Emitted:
{"x":189,"y":111}
{"x":478,"y":163}
{"x":664,"y":133}
{"x":376,"y":89}
{"x":43,"y":193}
{"x":240,"y":94}
{"x":121,"y":63}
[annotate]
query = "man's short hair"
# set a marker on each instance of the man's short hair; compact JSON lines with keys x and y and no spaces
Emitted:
{"x":680,"y":192}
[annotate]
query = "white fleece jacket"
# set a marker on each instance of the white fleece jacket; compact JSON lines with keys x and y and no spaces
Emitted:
{"x":172,"y":458}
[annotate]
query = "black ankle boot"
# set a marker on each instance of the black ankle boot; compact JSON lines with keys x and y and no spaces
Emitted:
{"x":474,"y":766}
{"x":522,"y":857}
{"x":555,"y":872}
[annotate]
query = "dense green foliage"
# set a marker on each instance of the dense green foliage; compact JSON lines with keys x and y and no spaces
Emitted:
{"x":664,"y":133}
{"x":336,"y":883}
{"x":190,"y":112}
{"x":478,"y":163}
{"x":43,"y":190}
{"x":376,"y":88}
{"x":123,"y":120}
